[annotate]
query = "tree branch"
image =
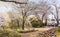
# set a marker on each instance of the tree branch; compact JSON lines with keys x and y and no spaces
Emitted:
{"x":15,"y":2}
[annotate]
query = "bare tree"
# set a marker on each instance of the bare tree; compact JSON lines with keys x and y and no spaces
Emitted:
{"x":56,"y":16}
{"x":43,"y":8}
{"x":25,"y":10}
{"x":17,"y":2}
{"x":28,"y":7}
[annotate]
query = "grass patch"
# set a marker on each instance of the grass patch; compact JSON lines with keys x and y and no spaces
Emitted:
{"x":9,"y":33}
{"x":26,"y":31}
{"x":58,"y":29}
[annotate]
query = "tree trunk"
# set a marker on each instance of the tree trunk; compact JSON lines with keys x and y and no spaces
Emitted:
{"x":18,"y":22}
{"x":46,"y":21}
{"x":42,"y":18}
{"x":57,"y":22}
{"x":23,"y":23}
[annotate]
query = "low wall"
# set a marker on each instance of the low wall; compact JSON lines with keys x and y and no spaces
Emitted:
{"x":42,"y":32}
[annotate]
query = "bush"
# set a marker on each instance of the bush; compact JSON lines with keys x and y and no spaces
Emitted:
{"x":8,"y":33}
{"x":58,"y":29}
{"x":37,"y":23}
{"x":26,"y":31}
{"x":13,"y":25}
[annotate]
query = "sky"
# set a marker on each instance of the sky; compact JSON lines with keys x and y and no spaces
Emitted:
{"x":49,"y":1}
{"x":8,"y":8}
{"x":34,"y":1}
{"x":4,"y":7}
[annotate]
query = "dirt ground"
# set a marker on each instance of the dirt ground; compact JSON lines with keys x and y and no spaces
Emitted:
{"x":58,"y":35}
{"x":35,"y":34}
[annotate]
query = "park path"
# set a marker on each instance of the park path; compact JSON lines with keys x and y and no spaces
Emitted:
{"x":36,"y":33}
{"x":58,"y":35}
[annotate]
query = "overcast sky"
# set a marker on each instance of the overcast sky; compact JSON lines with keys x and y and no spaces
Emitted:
{"x":3,"y":8}
{"x":49,"y":1}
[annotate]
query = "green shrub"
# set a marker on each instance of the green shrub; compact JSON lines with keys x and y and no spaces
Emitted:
{"x":8,"y":33}
{"x":12,"y":25}
{"x":26,"y":31}
{"x":37,"y":23}
{"x":58,"y":29}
